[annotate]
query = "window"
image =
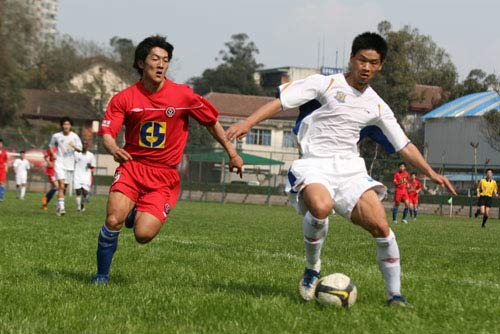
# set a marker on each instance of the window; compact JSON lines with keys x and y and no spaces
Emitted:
{"x":289,"y":139}
{"x":259,"y":137}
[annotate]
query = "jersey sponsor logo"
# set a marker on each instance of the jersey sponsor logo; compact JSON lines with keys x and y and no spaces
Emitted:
{"x":340,"y":96}
{"x":153,"y":134}
{"x":170,"y":111}
{"x":106,"y":123}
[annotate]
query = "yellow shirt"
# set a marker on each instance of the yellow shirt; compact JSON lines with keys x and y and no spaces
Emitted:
{"x":487,"y":188}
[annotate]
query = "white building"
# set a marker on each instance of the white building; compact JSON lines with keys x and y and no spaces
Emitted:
{"x":45,"y":17}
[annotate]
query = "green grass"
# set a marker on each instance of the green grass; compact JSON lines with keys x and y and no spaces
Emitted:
{"x":228,"y":268}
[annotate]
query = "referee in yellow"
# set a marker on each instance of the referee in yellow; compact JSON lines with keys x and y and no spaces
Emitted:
{"x":485,"y":190}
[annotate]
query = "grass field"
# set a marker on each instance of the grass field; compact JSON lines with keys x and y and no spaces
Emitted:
{"x":227,"y":268}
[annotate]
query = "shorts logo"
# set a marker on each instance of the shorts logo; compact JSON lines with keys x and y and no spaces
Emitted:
{"x":106,"y":123}
{"x":167,"y":209}
{"x":153,"y":134}
{"x":117,"y":177}
{"x":170,"y":111}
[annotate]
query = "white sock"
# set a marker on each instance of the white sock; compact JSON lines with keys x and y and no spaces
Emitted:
{"x":23,"y":192}
{"x":389,"y":264}
{"x":315,"y":231}
{"x":60,"y":203}
{"x":79,"y":202}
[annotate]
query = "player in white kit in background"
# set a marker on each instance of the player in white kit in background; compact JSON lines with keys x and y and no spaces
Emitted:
{"x":66,"y":142}
{"x":336,"y":112}
{"x":21,"y":168}
{"x":84,"y":165}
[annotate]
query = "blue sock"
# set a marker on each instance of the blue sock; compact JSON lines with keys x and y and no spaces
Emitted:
{"x":415,"y":213}
{"x":2,"y":192}
{"x":50,"y":194}
{"x":405,"y":213}
{"x":394,"y":213}
{"x":106,"y":247}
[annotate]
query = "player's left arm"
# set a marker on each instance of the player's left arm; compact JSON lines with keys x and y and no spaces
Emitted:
{"x":217,"y":131}
{"x":413,"y":156}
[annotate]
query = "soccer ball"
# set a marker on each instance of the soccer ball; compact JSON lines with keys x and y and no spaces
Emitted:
{"x":336,"y":289}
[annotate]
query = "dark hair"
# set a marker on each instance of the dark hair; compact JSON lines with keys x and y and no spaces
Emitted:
{"x":21,"y":152}
{"x":489,"y":170}
{"x":65,"y":119}
{"x":1,"y":140}
{"x":414,"y":173}
{"x":143,"y":48}
{"x":370,"y":41}
{"x":401,"y":164}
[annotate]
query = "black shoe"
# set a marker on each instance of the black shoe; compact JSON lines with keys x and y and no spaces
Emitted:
{"x":129,"y":222}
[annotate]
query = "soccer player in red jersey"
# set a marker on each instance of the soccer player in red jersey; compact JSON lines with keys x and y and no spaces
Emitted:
{"x":401,"y":193}
{"x":49,"y":157}
{"x":3,"y":169}
{"x":414,"y":187}
{"x":155,"y":112}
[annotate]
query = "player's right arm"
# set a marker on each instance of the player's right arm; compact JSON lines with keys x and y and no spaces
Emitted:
{"x":291,"y":95}
{"x":111,"y":126}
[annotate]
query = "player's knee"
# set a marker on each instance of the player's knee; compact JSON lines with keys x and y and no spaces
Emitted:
{"x":144,"y":237}
{"x":380,"y":230}
{"x":321,"y":208}
{"x":113,"y":223}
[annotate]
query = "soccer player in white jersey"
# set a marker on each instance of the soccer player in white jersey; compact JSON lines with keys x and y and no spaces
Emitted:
{"x":84,"y":164}
{"x":21,"y":168}
{"x":335,"y":113}
{"x":66,"y":142}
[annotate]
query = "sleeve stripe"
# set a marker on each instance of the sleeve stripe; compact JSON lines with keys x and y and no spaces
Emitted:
{"x":329,"y":85}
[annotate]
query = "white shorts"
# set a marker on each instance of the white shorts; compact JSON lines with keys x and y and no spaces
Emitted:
{"x":81,"y":183}
{"x":21,"y":179}
{"x":345,"y":178}
{"x":63,"y":174}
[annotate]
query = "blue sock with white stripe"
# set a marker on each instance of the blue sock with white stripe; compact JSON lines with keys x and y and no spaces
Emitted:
{"x":106,"y":247}
{"x":405,"y":213}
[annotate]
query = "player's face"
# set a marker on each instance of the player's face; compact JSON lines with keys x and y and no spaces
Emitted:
{"x":489,"y":174}
{"x":155,"y":66}
{"x":66,"y":127}
{"x":402,"y":168}
{"x":364,"y":65}
{"x":413,"y":177}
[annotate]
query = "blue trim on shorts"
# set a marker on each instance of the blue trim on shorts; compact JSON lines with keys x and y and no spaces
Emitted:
{"x":292,"y":179}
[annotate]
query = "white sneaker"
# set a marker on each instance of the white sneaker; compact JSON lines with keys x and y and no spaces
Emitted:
{"x":60,"y":212}
{"x":308,"y":283}
{"x":394,"y":221}
{"x":405,"y":221}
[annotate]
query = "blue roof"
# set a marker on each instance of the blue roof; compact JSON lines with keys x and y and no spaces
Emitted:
{"x":476,"y":104}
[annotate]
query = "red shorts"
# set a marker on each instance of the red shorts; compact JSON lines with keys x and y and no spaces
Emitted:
{"x":413,"y":198}
{"x":3,"y":174}
{"x":400,"y":196}
{"x":154,"y":190}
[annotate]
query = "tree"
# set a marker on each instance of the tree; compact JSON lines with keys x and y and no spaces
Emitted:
{"x":236,"y":72}
{"x":412,"y":59}
{"x":492,"y":126}
{"x":476,"y":81}
{"x":16,"y":31}
{"x":124,"y":50}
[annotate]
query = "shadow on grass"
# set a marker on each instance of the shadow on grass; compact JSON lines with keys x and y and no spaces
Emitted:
{"x":256,"y":290}
{"x":79,"y":276}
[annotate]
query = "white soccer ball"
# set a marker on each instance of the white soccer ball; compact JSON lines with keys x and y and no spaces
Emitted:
{"x":336,"y":289}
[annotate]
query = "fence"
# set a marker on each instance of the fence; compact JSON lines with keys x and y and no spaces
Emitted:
{"x":204,"y":178}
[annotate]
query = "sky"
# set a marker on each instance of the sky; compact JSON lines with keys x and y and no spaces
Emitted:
{"x":286,"y":32}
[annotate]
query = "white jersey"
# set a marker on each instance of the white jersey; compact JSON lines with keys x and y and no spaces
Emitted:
{"x":65,"y":155}
{"x":83,"y":173}
{"x":334,"y":117}
{"x":21,"y":167}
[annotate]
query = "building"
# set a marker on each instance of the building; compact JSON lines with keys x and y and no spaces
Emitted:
{"x":100,"y":79}
{"x":272,"y":139}
{"x":424,"y":99}
{"x":453,"y":129}
{"x":44,"y":13}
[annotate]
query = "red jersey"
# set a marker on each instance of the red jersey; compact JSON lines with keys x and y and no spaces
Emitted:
{"x":398,"y":178}
{"x":49,"y":170}
{"x":413,"y":186}
{"x":156,"y":124}
{"x":3,"y":158}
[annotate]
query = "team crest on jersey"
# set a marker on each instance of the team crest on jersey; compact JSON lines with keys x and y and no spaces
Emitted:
{"x":340,"y":96}
{"x":153,"y":134}
{"x":170,"y":111}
